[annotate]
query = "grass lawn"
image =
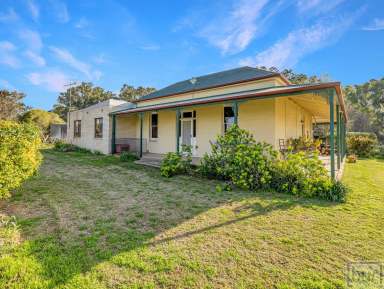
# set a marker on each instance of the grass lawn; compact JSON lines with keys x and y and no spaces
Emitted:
{"x":93,"y":222}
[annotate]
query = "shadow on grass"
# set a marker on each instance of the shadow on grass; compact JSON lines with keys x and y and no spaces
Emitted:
{"x":54,"y":259}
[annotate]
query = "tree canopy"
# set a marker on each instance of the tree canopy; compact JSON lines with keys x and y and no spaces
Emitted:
{"x":367,"y":104}
{"x":42,"y":119}
{"x":11,"y":104}
{"x":297,"y":78}
{"x":85,"y":94}
{"x":130,"y":93}
{"x":80,"y":96}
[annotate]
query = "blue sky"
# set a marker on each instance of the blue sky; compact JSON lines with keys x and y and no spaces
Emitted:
{"x":46,"y":43}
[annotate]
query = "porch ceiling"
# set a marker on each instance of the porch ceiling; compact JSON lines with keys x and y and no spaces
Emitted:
{"x":316,"y":104}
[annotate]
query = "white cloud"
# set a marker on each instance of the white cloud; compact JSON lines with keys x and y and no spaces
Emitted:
{"x":66,"y":57}
{"x":53,"y":80}
{"x":99,"y":59}
{"x":233,"y":31}
{"x":377,"y":24}
{"x":82,"y":23}
{"x":60,"y":10}
{"x":33,"y":9}
{"x":9,"y":16}
{"x":7,"y":56}
{"x":31,"y":38}
{"x":7,"y":46}
{"x":299,"y":43}
{"x":152,"y":47}
{"x":35,"y":58}
{"x":316,"y":6}
{"x":6,"y":84}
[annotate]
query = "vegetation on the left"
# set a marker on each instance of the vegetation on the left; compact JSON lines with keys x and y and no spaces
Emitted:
{"x":21,"y":133}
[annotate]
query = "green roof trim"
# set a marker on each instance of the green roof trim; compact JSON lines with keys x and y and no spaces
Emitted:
{"x":217,"y":79}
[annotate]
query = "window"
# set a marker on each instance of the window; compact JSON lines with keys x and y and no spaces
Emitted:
{"x":154,"y":125}
{"x":229,"y":117}
{"x":77,"y":128}
{"x":99,"y":127}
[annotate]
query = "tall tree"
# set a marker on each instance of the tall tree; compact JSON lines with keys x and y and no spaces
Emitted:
{"x":368,"y":99}
{"x":130,"y":93}
{"x":11,"y":104}
{"x":80,"y":96}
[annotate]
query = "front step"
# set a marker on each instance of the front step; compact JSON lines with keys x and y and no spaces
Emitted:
{"x":152,"y":160}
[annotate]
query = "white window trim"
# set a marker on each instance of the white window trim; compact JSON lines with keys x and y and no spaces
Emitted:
{"x":150,"y":127}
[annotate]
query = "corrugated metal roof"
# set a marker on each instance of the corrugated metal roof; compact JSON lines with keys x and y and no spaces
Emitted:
{"x":211,"y":80}
{"x":269,"y":92}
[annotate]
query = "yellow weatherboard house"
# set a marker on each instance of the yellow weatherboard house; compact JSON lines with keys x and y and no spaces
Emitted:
{"x":194,"y":111}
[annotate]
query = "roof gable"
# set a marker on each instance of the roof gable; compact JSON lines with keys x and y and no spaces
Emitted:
{"x":217,"y":79}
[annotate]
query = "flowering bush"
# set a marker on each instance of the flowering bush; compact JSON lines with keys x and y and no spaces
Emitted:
{"x":361,"y":144}
{"x":19,"y":154}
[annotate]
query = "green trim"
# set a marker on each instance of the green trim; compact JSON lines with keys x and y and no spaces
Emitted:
{"x":141,"y":135}
{"x":113,"y":140}
{"x":332,"y":133}
{"x":338,"y":140}
{"x":155,"y":107}
{"x":235,"y":107}
{"x":177,"y":130}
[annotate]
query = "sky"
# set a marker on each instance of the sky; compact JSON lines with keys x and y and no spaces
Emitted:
{"x":45,"y":44}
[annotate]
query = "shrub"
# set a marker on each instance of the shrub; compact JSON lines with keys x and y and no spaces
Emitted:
{"x":127,"y":157}
{"x":351,"y":158}
{"x":237,"y":157}
{"x":361,"y":144}
{"x":62,"y":146}
{"x":177,"y":163}
{"x":379,"y":151}
{"x":303,"y":174}
{"x":19,"y":154}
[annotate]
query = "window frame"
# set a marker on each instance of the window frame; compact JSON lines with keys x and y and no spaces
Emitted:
{"x":77,"y":128}
{"x":152,"y":126}
{"x":225,"y":123}
{"x":100,"y":135}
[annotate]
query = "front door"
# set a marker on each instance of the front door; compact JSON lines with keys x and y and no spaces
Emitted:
{"x":186,"y":133}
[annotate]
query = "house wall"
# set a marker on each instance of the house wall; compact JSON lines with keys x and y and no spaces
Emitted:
{"x":267,"y":119}
{"x":288,"y":120}
{"x":87,"y":116}
{"x":87,"y":139}
{"x":257,"y":116}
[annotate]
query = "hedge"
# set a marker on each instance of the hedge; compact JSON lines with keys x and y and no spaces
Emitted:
{"x":362,"y":144}
{"x":19,"y":154}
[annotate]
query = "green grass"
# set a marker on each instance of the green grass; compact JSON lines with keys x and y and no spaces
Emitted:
{"x":91,"y":221}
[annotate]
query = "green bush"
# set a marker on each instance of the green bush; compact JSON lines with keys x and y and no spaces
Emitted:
{"x":303,"y":174}
{"x":19,"y":154}
{"x":238,"y":158}
{"x":127,"y":157}
{"x":379,"y":151}
{"x":362,"y":144}
{"x":62,"y":146}
{"x":177,"y":163}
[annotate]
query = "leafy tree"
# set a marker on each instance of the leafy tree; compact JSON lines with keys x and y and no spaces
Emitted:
{"x":80,"y":96}
{"x":368,"y":99}
{"x":42,"y":119}
{"x":11,"y":104}
{"x":130,"y":93}
{"x":297,"y":78}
